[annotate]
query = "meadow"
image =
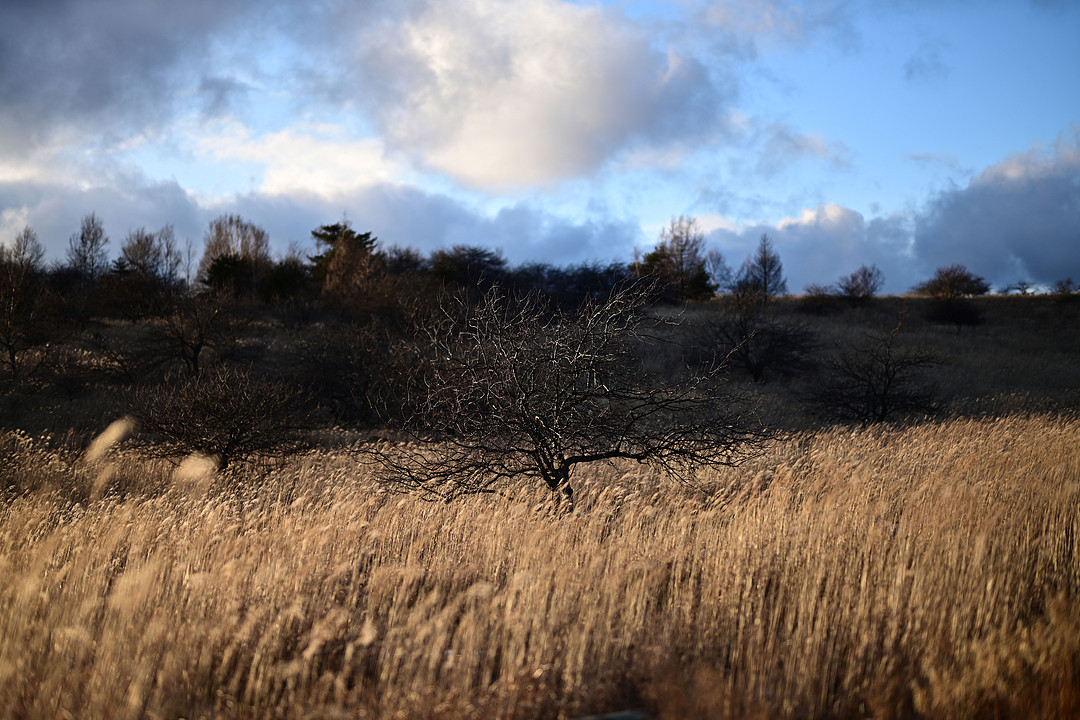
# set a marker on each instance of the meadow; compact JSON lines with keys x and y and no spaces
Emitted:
{"x":920,"y":569}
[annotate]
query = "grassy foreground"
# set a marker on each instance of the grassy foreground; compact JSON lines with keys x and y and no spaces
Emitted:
{"x":891,"y":572}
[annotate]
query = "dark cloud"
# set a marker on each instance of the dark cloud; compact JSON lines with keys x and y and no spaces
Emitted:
{"x":1018,"y":219}
{"x":221,"y":94}
{"x":100,"y":67}
{"x":827,"y":243}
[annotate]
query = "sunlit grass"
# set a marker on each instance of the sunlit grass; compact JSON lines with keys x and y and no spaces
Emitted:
{"x":891,"y":572}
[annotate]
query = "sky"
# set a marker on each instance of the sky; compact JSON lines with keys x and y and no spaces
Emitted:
{"x":909,"y":134}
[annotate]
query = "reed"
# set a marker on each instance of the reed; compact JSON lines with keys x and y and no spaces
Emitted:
{"x":889,"y":572}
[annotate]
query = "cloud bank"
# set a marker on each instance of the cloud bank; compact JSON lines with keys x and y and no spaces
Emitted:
{"x":1018,"y":219}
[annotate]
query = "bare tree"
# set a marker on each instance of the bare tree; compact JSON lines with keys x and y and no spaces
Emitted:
{"x":861,"y":285}
{"x":194,"y":324}
{"x":139,"y":254}
{"x":86,"y":249}
{"x":517,"y":389}
{"x":239,"y":250}
{"x":27,"y":251}
{"x":679,"y":261}
{"x":761,"y":345}
{"x":187,"y":336}
{"x":954,"y":281}
{"x":762,"y":274}
{"x":152,"y":255}
{"x":874,"y":379}
{"x":1064,"y":289}
{"x":949,"y":289}
{"x":23,"y":310}
{"x":719,"y":271}
{"x":1020,"y":287}
{"x":172,"y":257}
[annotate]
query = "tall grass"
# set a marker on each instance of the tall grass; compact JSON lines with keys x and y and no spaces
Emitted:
{"x":890,"y":572}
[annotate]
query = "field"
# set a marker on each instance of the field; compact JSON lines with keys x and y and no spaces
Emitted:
{"x":924,"y":569}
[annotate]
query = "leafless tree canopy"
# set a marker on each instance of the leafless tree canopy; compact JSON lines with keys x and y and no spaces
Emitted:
{"x":86,"y":249}
{"x":679,"y":261}
{"x":232,"y":236}
{"x":862,"y":284}
{"x":225,"y":413}
{"x":23,"y":305}
{"x":762,"y":274}
{"x":954,"y":281}
{"x":518,"y":389}
{"x":875,"y":379}
{"x":151,"y":254}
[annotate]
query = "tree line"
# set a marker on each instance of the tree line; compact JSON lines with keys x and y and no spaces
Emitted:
{"x":503,"y":372}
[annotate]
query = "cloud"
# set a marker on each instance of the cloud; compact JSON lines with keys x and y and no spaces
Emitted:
{"x":1017,"y":219}
{"x":783,"y":146}
{"x":54,"y":210}
{"x":318,"y":159}
{"x":501,"y":94}
{"x":396,"y":213}
{"x":941,"y":161}
{"x":405,"y":215}
{"x":825,"y":243}
{"x":748,"y":24}
{"x":220,"y":95}
{"x":102,"y":67}
{"x":927,"y":64}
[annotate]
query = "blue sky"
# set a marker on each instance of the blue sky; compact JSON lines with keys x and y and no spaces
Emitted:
{"x":905,"y":133}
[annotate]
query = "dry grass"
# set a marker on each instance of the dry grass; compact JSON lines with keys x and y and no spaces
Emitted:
{"x":926,"y":571}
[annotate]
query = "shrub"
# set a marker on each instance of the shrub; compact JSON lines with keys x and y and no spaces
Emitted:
{"x":224,"y":413}
{"x":954,"y":281}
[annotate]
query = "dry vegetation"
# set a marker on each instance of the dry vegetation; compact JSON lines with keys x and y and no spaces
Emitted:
{"x":924,"y":571}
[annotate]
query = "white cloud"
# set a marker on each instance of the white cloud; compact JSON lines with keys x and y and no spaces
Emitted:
{"x":709,"y":222}
{"x":829,"y":216}
{"x":12,"y":221}
{"x":45,"y":161}
{"x":501,"y":94}
{"x":304,"y":160}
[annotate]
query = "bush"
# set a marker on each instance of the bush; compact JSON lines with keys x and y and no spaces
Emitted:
{"x":861,"y":285}
{"x":954,"y":281}
{"x":227,"y":414}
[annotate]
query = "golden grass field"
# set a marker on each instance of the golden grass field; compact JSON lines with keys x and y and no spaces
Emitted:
{"x":890,"y":572}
